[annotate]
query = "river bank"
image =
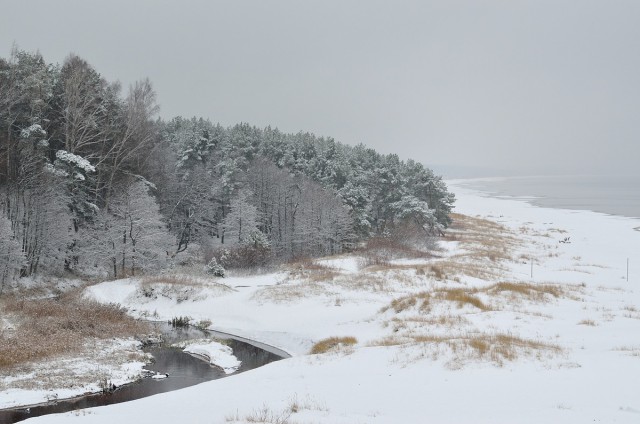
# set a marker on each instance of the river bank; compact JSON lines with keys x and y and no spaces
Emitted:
{"x":178,"y":358}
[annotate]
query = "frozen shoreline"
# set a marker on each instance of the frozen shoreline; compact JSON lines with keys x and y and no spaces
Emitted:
{"x":597,"y":327}
{"x":568,"y":192}
{"x":109,"y":363}
{"x":214,"y":353}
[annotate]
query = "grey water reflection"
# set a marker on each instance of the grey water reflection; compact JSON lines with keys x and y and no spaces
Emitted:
{"x":184,"y":370}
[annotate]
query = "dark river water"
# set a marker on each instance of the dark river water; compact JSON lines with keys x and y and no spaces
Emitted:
{"x":184,"y":370}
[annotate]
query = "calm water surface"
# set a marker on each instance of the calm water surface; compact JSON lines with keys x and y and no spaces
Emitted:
{"x":184,"y":370}
{"x":606,"y":194}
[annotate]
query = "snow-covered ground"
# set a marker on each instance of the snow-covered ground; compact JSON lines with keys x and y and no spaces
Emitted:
{"x":557,"y":341}
{"x":105,"y":361}
{"x":216,"y":353}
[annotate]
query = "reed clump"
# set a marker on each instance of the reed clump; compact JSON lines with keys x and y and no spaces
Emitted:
{"x":46,"y":328}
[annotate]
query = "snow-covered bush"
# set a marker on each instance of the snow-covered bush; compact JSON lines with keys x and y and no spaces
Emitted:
{"x":75,"y":161}
{"x":33,"y":131}
{"x":214,"y":268}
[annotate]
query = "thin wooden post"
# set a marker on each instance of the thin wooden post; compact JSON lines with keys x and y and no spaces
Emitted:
{"x":531,"y":267}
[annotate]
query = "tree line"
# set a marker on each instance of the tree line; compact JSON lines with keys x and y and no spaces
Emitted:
{"x":93,"y":183}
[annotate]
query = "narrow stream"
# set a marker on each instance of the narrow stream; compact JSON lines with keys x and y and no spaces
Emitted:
{"x":184,"y":370}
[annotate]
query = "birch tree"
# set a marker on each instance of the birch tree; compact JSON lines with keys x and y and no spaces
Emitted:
{"x":83,"y":108}
{"x":133,"y":133}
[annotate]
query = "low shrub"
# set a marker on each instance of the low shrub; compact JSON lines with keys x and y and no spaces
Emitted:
{"x":330,"y":343}
{"x":380,"y":251}
{"x":178,"y":322}
{"x":214,"y":268}
{"x":239,"y":257}
{"x":203,"y":324}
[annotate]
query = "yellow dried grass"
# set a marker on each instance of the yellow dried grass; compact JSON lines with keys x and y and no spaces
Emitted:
{"x":331,"y":343}
{"x":51,"y":327}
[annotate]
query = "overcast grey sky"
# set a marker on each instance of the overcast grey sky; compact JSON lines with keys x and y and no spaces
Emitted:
{"x":535,"y":87}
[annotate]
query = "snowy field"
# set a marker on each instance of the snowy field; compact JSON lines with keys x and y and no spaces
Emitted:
{"x":524,"y":316}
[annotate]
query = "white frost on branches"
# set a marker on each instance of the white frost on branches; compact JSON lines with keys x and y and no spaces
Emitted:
{"x":129,"y":237}
{"x":34,"y":129}
{"x":76,"y":160}
{"x":410,"y":207}
{"x":55,"y":171}
{"x":11,"y":256}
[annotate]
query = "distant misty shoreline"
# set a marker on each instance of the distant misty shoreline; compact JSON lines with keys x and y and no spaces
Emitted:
{"x":612,"y":195}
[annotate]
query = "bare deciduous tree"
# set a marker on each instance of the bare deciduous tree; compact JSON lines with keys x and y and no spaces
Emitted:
{"x":136,"y":236}
{"x":11,"y":257}
{"x":135,"y":133}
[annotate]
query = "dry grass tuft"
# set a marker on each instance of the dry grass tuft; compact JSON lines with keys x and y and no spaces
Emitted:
{"x":267,"y":416}
{"x":291,"y":292}
{"x":631,"y":311}
{"x":438,"y":272}
{"x":380,"y":251}
{"x":406,"y":302}
{"x":498,"y":347}
{"x":51,"y":327}
{"x":461,"y":297}
{"x":179,"y":287}
{"x":311,"y":271}
{"x":588,"y":322}
{"x":468,"y":265}
{"x":181,"y":280}
{"x":411,"y":323}
{"x":531,"y":291}
{"x":629,"y":350}
{"x":331,"y":343}
{"x":463,"y":348}
{"x":468,"y":296}
{"x":394,"y":340}
{"x":484,"y":243}
{"x":262,"y":416}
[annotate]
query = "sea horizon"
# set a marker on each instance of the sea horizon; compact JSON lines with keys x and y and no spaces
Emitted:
{"x":608,"y":194}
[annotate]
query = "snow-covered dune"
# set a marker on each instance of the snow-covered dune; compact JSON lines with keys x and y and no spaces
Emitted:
{"x":572,"y":352}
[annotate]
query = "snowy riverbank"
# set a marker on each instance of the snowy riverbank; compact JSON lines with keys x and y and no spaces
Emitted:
{"x":561,"y":346}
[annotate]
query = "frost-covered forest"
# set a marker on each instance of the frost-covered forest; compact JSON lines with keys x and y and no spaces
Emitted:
{"x":93,"y":183}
